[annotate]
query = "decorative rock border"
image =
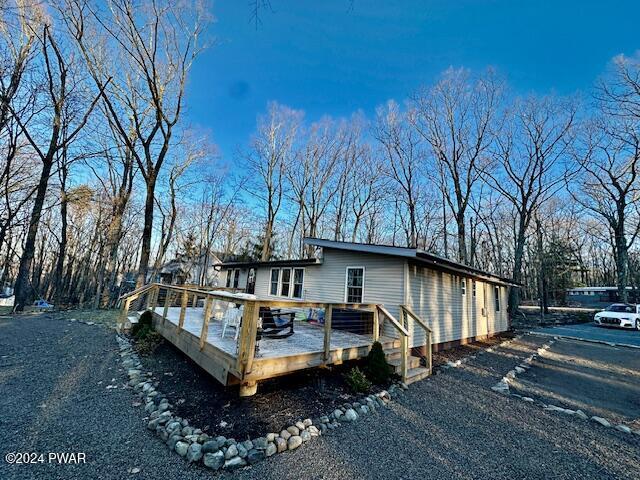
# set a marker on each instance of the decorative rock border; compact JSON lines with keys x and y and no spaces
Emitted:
{"x":220,"y":452}
{"x":503,"y":387}
{"x":458,"y":363}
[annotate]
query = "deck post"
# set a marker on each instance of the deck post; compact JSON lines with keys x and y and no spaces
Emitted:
{"x":376,"y":324}
{"x":247,"y":337}
{"x":153,"y":301}
{"x":167,"y":303}
{"x":404,"y":346}
{"x":183,"y":309}
{"x":195,"y":300}
{"x":328,"y":312}
{"x":429,"y":353}
{"x":125,"y":311}
{"x":205,"y":321}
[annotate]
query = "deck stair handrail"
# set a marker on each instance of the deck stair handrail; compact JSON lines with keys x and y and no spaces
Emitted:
{"x":407,"y":311}
{"x":404,"y":341}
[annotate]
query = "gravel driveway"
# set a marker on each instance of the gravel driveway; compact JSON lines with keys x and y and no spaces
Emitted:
{"x":53,"y":379}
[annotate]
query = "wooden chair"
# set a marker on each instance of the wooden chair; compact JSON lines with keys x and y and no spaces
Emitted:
{"x":274,"y":322}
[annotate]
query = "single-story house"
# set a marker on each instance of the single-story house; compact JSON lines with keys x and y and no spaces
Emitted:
{"x":597,"y":297}
{"x":199,"y":270}
{"x":459,"y":303}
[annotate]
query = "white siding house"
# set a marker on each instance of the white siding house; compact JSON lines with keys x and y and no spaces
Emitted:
{"x":458,"y":303}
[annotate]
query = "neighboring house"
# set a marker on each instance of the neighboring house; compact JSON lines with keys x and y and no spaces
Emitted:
{"x":597,"y":297}
{"x":201,"y":270}
{"x":459,"y":303}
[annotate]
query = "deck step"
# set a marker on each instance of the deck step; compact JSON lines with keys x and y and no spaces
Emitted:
{"x":412,"y":362}
{"x":416,"y":374}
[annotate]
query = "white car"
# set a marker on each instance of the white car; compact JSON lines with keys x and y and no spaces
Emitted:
{"x":622,"y":315}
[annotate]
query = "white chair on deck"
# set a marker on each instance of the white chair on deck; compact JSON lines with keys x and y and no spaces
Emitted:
{"x":232,"y":318}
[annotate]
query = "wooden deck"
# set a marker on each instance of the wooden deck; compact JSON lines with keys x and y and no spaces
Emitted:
{"x":197,"y":331}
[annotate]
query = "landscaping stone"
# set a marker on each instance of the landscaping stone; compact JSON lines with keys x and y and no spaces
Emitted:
{"x":313,"y":431}
{"x":294,"y":431}
{"x":337,"y":413}
{"x":307,"y":422}
{"x":623,"y":428}
{"x":271,"y":449}
{"x":271,"y":437}
{"x":231,"y":452}
{"x":281,"y":444}
{"x":214,"y":461}
{"x":294,"y":442}
{"x":255,"y":456}
{"x":242,"y":452}
{"x":171,"y":442}
{"x":527,"y":399}
{"x":581,"y":414}
{"x":324,"y":419}
{"x":181,"y":448}
{"x":248,"y":444}
{"x":300,"y":426}
{"x":285,"y":434}
{"x":305,"y":436}
{"x":194,"y":453}
{"x":210,"y":446}
{"x":260,"y":443}
{"x":235,"y":462}
{"x":350,"y":415}
{"x":602,"y":421}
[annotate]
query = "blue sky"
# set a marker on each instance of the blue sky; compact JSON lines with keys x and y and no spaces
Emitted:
{"x":335,"y":57}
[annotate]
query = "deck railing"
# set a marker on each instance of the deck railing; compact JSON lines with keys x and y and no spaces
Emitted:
{"x":405,"y":313}
{"x":162,"y":295}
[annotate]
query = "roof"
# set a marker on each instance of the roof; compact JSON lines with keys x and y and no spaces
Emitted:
{"x":415,"y":255}
{"x":271,"y":263}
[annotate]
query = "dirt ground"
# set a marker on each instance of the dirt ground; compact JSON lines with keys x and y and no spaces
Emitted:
{"x":280,"y":402}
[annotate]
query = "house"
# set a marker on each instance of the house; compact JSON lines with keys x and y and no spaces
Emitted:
{"x":199,"y":270}
{"x":597,"y":297}
{"x":459,"y":303}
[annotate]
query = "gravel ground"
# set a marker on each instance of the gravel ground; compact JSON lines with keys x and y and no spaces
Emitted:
{"x":54,"y":374}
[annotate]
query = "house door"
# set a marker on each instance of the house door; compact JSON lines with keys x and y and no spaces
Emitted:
{"x":251,"y":281}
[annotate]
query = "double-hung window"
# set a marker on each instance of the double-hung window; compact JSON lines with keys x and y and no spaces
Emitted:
{"x":275,"y":280}
{"x":298,"y":282}
{"x":464,"y":286}
{"x":285,"y":283}
{"x":236,"y":278}
{"x":497,"y":293}
{"x":354,"y":285}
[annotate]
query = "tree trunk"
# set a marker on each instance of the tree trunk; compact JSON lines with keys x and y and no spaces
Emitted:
{"x":22,"y":287}
{"x":147,"y":231}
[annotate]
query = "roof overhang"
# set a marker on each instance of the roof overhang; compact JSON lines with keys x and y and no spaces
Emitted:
{"x":415,"y":256}
{"x":272,"y":263}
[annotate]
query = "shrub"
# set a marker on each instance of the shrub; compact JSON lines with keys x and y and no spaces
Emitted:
{"x":149,"y":342}
{"x":357,"y":381}
{"x":377,"y":369}
{"x":145,"y":323}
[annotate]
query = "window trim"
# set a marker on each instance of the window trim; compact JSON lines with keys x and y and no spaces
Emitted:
{"x":497,"y":298}
{"x":473,"y":288}
{"x":346,"y":282}
{"x":288,"y":295}
{"x":463,"y":287}
{"x":236,"y":278}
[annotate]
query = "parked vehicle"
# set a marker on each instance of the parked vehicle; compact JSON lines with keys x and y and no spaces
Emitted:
{"x":621,"y":315}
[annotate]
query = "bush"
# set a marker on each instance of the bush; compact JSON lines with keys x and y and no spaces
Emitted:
{"x":377,"y":369}
{"x":149,"y":342}
{"x":357,"y":381}
{"x":144,"y":325}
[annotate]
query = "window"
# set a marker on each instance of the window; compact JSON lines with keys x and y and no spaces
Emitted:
{"x":229,"y":275}
{"x":236,"y":278}
{"x":354,"y":287}
{"x":497,"y":293}
{"x":298,"y":281}
{"x":286,"y":282}
{"x":473,"y":288}
{"x":464,"y":287}
{"x":275,"y":280}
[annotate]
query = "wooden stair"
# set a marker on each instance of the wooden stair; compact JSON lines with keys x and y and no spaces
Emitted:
{"x":415,"y":371}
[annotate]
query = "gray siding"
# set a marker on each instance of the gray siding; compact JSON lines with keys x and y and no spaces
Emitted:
{"x":437,"y":298}
{"x":383,"y":279}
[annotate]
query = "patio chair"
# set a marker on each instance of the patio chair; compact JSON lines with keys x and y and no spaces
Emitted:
{"x":232,"y":318}
{"x":274,"y":322}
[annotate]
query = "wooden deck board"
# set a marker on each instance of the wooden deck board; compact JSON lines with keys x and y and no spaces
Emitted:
{"x":307,"y":338}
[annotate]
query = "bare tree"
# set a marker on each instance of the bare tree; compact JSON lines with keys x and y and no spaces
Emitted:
{"x":456,"y":117}
{"x":154,"y":46}
{"x":530,"y":164}
{"x":271,"y":150}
